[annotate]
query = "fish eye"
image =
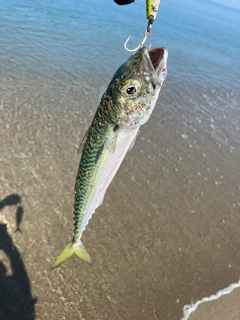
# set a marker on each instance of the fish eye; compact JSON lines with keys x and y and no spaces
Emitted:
{"x":132,"y":88}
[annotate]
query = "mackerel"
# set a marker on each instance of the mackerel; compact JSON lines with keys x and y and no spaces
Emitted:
{"x":127,"y":104}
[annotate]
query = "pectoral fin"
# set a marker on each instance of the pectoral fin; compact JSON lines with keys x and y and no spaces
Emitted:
{"x":134,"y":140}
{"x":111,"y":142}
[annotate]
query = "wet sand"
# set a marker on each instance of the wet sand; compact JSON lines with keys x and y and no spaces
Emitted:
{"x":221,"y":307}
{"x":166,"y":235}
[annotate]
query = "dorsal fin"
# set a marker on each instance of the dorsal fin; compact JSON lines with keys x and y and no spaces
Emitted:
{"x":82,"y":144}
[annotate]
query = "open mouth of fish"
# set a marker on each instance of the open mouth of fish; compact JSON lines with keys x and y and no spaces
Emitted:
{"x":158,"y":58}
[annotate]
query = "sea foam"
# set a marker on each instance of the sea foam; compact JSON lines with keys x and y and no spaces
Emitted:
{"x":189,"y":308}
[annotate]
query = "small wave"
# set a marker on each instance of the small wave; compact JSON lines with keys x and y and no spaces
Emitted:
{"x":190,"y":308}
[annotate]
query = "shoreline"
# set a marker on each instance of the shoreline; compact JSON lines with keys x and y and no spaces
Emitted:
{"x":167,"y":230}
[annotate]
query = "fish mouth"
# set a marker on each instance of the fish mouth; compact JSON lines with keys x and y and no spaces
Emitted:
{"x":158,"y":58}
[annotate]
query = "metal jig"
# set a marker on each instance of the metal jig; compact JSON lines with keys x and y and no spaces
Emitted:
{"x":151,"y":10}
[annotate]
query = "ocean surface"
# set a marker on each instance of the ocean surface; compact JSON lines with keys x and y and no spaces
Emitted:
{"x":75,"y":40}
{"x":168,"y":230}
{"x":58,"y":46}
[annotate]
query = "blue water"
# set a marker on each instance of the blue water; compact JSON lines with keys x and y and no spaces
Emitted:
{"x":73,"y":40}
{"x":67,"y":51}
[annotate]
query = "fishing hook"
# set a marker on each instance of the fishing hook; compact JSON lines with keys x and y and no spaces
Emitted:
{"x":151,"y":14}
{"x":146,"y":35}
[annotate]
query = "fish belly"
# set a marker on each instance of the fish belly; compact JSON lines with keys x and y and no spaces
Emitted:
{"x":106,"y":168}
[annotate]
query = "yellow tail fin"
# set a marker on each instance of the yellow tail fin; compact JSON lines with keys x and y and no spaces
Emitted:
{"x":71,"y":249}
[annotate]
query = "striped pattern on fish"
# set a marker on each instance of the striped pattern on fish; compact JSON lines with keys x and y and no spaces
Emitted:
{"x":127,"y":104}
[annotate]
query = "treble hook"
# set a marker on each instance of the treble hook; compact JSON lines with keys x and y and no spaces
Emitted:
{"x":146,"y":35}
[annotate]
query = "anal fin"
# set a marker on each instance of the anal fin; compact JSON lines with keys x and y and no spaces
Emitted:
{"x":100,"y":201}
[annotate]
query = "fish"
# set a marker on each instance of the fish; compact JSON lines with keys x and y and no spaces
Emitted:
{"x":19,"y":216}
{"x":125,"y":106}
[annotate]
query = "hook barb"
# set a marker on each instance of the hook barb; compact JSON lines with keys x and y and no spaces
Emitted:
{"x":146,"y":35}
{"x":131,"y":50}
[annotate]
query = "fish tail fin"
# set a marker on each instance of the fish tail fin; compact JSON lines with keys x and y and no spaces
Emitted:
{"x":18,"y":230}
{"x":81,"y":252}
{"x":71,"y":249}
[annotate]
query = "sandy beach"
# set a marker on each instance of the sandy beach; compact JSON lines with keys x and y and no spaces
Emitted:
{"x":166,"y":235}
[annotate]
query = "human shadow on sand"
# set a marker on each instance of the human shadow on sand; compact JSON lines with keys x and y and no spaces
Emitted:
{"x":16,"y":301}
